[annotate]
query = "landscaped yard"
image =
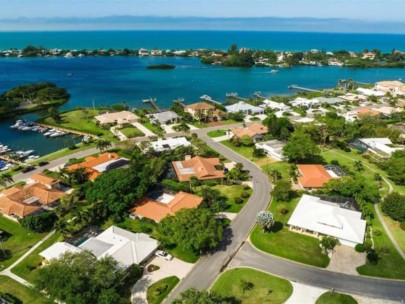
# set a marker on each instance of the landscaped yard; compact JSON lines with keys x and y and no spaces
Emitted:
{"x":335,"y":298}
{"x":154,"y":128}
{"x":246,"y":152}
{"x":232,"y":192}
{"x":216,"y":133}
{"x":131,"y":131}
{"x":285,"y":243}
{"x":27,"y":268}
{"x":24,"y":294}
{"x":17,"y":241}
{"x":159,"y":290}
{"x":252,"y":286}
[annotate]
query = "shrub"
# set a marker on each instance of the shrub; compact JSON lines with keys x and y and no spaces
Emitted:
{"x":246,"y":187}
{"x":372,"y":257}
{"x":282,"y":209}
{"x":72,"y":147}
{"x":402,"y":225}
{"x":39,"y":222}
{"x":334,"y":162}
{"x":245,"y":194}
{"x":175,"y":186}
{"x":211,"y":183}
{"x":360,"y":248}
{"x":238,"y":200}
{"x":377,"y":232}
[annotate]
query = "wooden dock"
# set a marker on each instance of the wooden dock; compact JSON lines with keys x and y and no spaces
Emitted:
{"x":295,"y":87}
{"x":10,"y":160}
{"x":235,"y":96}
{"x":258,"y":95}
{"x":152,"y":102}
{"x":209,"y":99}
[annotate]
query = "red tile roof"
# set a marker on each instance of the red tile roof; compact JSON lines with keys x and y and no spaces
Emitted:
{"x":200,"y":167}
{"x":313,"y":176}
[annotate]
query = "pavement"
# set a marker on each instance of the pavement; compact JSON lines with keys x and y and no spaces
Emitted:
{"x":304,"y":294}
{"x":143,"y":129}
{"x":345,"y":259}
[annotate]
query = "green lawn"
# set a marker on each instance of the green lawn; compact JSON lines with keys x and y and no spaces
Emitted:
{"x":232,"y":192}
{"x":265,"y":289}
{"x":246,"y":152}
{"x":63,"y":152}
{"x":18,"y":242}
{"x":216,"y":133}
{"x":287,"y":244}
{"x":335,"y":298}
{"x":27,"y":268}
{"x":131,"y":131}
{"x":154,"y":128}
{"x":159,"y":290}
{"x":25,"y":294}
{"x":282,"y":167}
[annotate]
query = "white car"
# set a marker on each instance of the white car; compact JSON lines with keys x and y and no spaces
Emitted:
{"x":161,"y":253}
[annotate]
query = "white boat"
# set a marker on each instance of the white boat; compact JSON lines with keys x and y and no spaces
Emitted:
{"x":17,"y":124}
{"x":57,"y":134}
{"x":25,"y":128}
{"x":205,"y":97}
{"x":23,"y":154}
{"x":50,"y":132}
{"x":274,"y":71}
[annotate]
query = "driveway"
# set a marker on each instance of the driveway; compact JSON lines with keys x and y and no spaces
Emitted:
{"x":143,"y":129}
{"x":174,"y":267}
{"x":345,"y":259}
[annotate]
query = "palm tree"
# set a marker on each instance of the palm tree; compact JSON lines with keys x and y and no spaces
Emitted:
{"x":358,"y":165}
{"x":103,"y":144}
{"x":5,"y":179}
{"x":182,"y":127}
{"x":63,"y":228}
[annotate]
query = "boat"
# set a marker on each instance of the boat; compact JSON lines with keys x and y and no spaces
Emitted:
{"x":23,"y":154}
{"x":274,"y":71}
{"x":232,"y":94}
{"x":57,"y":134}
{"x":25,"y":128}
{"x":205,"y":97}
{"x":50,"y":132}
{"x":17,"y":124}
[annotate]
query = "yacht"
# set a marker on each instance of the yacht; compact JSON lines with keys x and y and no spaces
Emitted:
{"x":17,"y":124}
{"x":205,"y":97}
{"x":274,"y":71}
{"x":23,"y":154}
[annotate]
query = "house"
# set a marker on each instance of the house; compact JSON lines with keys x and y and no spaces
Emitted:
{"x":275,"y":105}
{"x":330,"y":100}
{"x":321,"y":218}
{"x":367,"y":112}
{"x":169,"y":144}
{"x":97,"y":165}
{"x":117,"y":118}
{"x":273,"y":148}
{"x":164,"y":204}
{"x":126,"y":247}
{"x":369,"y":92}
{"x":381,"y":147}
{"x":313,"y":176}
{"x":254,"y":131}
{"x":201,"y":110}
{"x":47,"y":181}
{"x":368,"y":55}
{"x":350,"y":97}
{"x":21,"y":201}
{"x":394,"y":87}
{"x":304,"y":102}
{"x":143,"y":52}
{"x":200,"y":167}
{"x":163,"y":118}
{"x":245,"y":108}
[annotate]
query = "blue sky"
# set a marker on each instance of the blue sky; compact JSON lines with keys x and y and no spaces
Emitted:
{"x":384,"y":10}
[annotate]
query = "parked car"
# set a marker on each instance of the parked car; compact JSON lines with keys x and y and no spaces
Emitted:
{"x":27,"y":169}
{"x":165,"y":255}
{"x":43,"y":163}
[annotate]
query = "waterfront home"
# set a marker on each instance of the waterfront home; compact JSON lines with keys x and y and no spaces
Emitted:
{"x":368,"y":55}
{"x":202,"y":111}
{"x":275,"y":105}
{"x":200,"y":167}
{"x":351,"y":97}
{"x":380,"y":147}
{"x":49,"y":182}
{"x":169,"y":144}
{"x":156,"y":52}
{"x":369,"y":92}
{"x":255,"y":131}
{"x":164,"y":204}
{"x":304,"y":102}
{"x":143,"y":52}
{"x":318,"y":218}
{"x":313,"y":176}
{"x":394,"y":87}
{"x":117,"y":118}
{"x":245,"y":108}
{"x":163,"y":118}
{"x":97,"y":165}
{"x":273,"y":148}
{"x":126,"y":247}
{"x":21,"y":201}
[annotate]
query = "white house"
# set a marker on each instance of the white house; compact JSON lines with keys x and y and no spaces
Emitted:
{"x":275,"y":105}
{"x":125,"y":247}
{"x":245,"y":108}
{"x":382,"y":147}
{"x":304,"y":102}
{"x":394,"y":87}
{"x":369,"y":92}
{"x":319,"y":218}
{"x":273,"y":148}
{"x":169,"y":144}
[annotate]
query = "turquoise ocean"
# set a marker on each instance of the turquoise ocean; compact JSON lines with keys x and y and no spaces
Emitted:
{"x":107,"y":80}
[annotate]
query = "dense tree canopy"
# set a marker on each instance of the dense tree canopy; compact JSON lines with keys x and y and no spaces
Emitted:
{"x":282,"y":190}
{"x":300,"y":148}
{"x":194,"y":296}
{"x":280,"y":128}
{"x":39,"y":222}
{"x":394,"y":206}
{"x":395,"y":167}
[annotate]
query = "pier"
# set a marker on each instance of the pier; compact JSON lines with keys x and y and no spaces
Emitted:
{"x":258,"y":95}
{"x":209,"y":99}
{"x":69,"y":131}
{"x":152,"y":101}
{"x":10,"y":160}
{"x":295,"y":87}
{"x":235,"y":96}
{"x":180,"y":101}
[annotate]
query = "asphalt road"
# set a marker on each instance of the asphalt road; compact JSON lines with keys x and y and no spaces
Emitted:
{"x":248,"y":256}
{"x":209,"y":267}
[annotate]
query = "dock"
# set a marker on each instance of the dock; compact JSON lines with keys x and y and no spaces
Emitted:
{"x":10,"y":160}
{"x":295,"y":87}
{"x":152,"y":101}
{"x":258,"y":95}
{"x":180,"y":101}
{"x":235,"y":96}
{"x":209,"y":99}
{"x":68,"y":131}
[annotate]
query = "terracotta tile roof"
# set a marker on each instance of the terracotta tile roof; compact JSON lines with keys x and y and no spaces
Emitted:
{"x":43,"y":179}
{"x":156,"y":211}
{"x":200,"y":106}
{"x":200,"y":167}
{"x":92,"y":161}
{"x":313,"y":176}
{"x":367,"y":111}
{"x":252,"y":130}
{"x":9,"y":207}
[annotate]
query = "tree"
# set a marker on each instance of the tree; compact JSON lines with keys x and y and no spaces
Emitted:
{"x":39,"y":222}
{"x":213,"y":199}
{"x":358,"y":165}
{"x":282,"y":190}
{"x":182,"y":127}
{"x":279,"y":128}
{"x":246,"y":285}
{"x":5,"y":179}
{"x":79,"y":278}
{"x":77,"y":177}
{"x":265,"y":219}
{"x":246,"y":140}
{"x":378,"y":178}
{"x":195,"y":296}
{"x":103,"y":145}
{"x":394,"y":206}
{"x":192,"y":229}
{"x":300,"y":148}
{"x":194,"y":182}
{"x":259,"y":152}
{"x":395,"y":167}
{"x":328,"y":243}
{"x":275,"y":174}
{"x":55,"y":115}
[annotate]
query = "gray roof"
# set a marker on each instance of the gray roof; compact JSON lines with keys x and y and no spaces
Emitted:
{"x":163,"y":117}
{"x":95,"y":246}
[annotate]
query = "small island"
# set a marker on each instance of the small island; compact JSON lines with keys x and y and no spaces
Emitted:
{"x":30,"y":98}
{"x":161,"y":67}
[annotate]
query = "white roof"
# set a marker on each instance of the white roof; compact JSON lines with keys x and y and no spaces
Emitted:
{"x":57,"y":249}
{"x":125,"y":247}
{"x":369,"y":92}
{"x":119,"y":117}
{"x":327,"y":218}
{"x":275,"y":105}
{"x":243,"y":107}
{"x":171,"y":143}
{"x":380,"y":144}
{"x":300,"y":101}
{"x":105,"y":166}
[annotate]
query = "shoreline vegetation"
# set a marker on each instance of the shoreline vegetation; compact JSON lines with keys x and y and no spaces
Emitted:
{"x":237,"y":57}
{"x":31,"y":98}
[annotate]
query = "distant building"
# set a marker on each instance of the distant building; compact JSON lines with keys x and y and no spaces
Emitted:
{"x":321,"y":218}
{"x":394,"y":87}
{"x":381,"y":147}
{"x":304,"y":102}
{"x":369,"y":55}
{"x":169,"y":144}
{"x":163,"y":118}
{"x":275,"y":105}
{"x":200,"y":167}
{"x":203,"y":111}
{"x":118,"y":118}
{"x":245,"y":108}
{"x":255,"y":131}
{"x":165,"y":204}
{"x":367,"y":112}
{"x":97,"y":165}
{"x":313,"y":176}
{"x":273,"y":148}
{"x":369,"y":92}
